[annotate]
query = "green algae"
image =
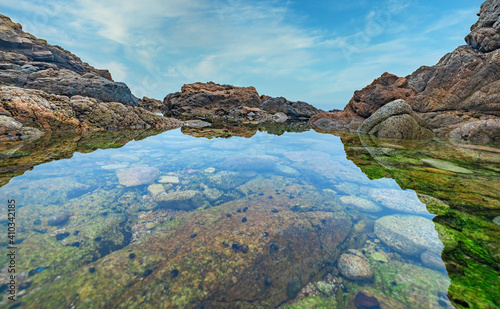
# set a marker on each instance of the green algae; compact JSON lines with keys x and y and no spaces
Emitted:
{"x":313,"y":302}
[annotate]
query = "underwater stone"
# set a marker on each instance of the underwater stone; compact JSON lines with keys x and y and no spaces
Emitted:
{"x":293,"y":288}
{"x":244,"y":248}
{"x":244,"y":220}
{"x":137,"y":175}
{"x":354,"y":267}
{"x":156,"y":189}
{"x":169,"y":179}
{"x":432,"y":260}
{"x":403,"y":201}
{"x":181,"y":200}
{"x":360,"y":203}
{"x":92,"y":270}
{"x":226,"y":179}
{"x":326,"y":288}
{"x":408,"y":234}
{"x":174,"y":273}
{"x":37,"y":222}
{"x":62,"y":236}
{"x":147,"y":272}
{"x":348,"y":188}
{"x":246,"y":162}
{"x":194,"y":235}
{"x":131,"y":256}
{"x":229,"y":215}
{"x":362,"y":301}
{"x":58,"y":220}
{"x":287,"y":170}
{"x":209,"y":170}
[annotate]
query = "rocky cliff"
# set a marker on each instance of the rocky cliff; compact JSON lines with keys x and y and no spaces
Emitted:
{"x":211,"y":100}
{"x":459,"y":97}
{"x":28,"y":62}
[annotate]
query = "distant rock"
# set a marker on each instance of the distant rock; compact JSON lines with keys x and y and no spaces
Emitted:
{"x":239,"y":104}
{"x":354,"y":267}
{"x":396,"y":120}
{"x":407,"y":234}
{"x":459,"y":97}
{"x":137,"y":175}
{"x":32,"y":63}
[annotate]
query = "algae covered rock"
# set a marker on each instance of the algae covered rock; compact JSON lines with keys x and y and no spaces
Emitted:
{"x":354,"y":267}
{"x":181,"y":200}
{"x":408,"y":234}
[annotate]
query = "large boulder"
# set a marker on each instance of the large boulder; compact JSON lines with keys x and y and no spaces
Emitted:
{"x":410,"y":235}
{"x":396,"y":120}
{"x":485,"y":34}
{"x":26,"y":61}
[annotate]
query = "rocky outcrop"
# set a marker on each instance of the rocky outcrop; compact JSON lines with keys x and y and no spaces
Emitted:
{"x":28,"y":62}
{"x":239,"y":104}
{"x":27,"y":112}
{"x":396,"y":120}
{"x":460,"y":94}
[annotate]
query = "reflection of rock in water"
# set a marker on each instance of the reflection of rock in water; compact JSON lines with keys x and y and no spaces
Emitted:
{"x":276,"y":254}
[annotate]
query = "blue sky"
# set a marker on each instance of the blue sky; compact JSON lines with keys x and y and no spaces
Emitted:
{"x":314,"y":51}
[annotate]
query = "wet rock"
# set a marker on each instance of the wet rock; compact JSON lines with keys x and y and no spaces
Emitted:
{"x":360,"y":204}
{"x":169,"y":179}
{"x":293,"y":287}
{"x":432,"y":260}
{"x":226,"y":179}
{"x":59,"y":220}
{"x":447,"y":166}
{"x":396,"y":120}
{"x":156,"y":189}
{"x":181,"y":200}
{"x":354,"y":267}
{"x":362,"y":301}
{"x":246,"y":162}
{"x":410,"y":235}
{"x":287,"y":170}
{"x":138,"y":175}
{"x":403,"y":201}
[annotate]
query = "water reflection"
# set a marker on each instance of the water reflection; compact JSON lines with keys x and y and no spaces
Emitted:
{"x":297,"y":220}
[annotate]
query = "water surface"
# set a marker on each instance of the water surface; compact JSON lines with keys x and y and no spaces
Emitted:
{"x":210,"y":219}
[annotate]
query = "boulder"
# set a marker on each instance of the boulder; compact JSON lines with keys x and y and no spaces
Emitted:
{"x":354,"y":267}
{"x":294,"y":110}
{"x":407,"y":234}
{"x":181,"y":200}
{"x":360,"y":203}
{"x":398,"y":200}
{"x":485,"y":34}
{"x":396,"y":120}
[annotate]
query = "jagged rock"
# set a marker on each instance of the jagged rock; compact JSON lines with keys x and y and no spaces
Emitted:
{"x":460,"y":94}
{"x":295,"y":110}
{"x":410,"y":235}
{"x":30,"y":112}
{"x":212,"y":100}
{"x":396,"y":120}
{"x":354,"y":267}
{"x":32,"y":63}
{"x":485,"y":34}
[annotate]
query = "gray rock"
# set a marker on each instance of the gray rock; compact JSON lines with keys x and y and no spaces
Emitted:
{"x":403,"y":201}
{"x":432,"y":260}
{"x":226,"y":179}
{"x":360,"y":203}
{"x":485,"y":34}
{"x":354,"y":267}
{"x":396,"y":120}
{"x":137,"y":175}
{"x":294,"y":110}
{"x":410,"y":235}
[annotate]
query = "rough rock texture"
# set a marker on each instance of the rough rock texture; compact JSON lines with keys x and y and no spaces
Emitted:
{"x":396,"y":120}
{"x":213,"y":100}
{"x":26,"y":61}
{"x":27,"y":112}
{"x":460,"y":94}
{"x":354,"y":267}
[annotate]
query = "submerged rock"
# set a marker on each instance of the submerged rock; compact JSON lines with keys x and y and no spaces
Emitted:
{"x":404,"y":201}
{"x":363,"y":301}
{"x":447,"y":166}
{"x":226,"y":179}
{"x":432,"y":260}
{"x":354,"y":267}
{"x":410,"y":235}
{"x":156,"y":189}
{"x":252,"y":163}
{"x":181,"y":200}
{"x":169,"y":179}
{"x":137,"y":175}
{"x":360,"y":203}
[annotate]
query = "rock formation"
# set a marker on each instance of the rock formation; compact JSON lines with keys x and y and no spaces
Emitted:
{"x":28,"y":62}
{"x":459,"y":97}
{"x":211,"y":100}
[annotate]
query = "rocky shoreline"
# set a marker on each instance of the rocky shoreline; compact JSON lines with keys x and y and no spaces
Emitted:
{"x":44,"y":88}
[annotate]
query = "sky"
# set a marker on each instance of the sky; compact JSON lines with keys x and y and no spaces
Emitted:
{"x":319,"y":52}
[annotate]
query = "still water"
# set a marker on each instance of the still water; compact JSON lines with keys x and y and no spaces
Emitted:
{"x":211,"y":220}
